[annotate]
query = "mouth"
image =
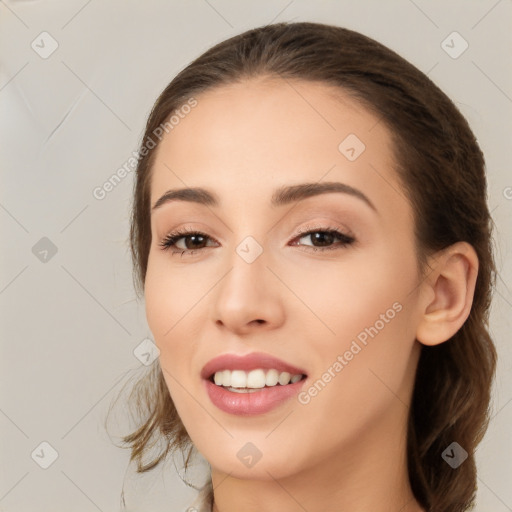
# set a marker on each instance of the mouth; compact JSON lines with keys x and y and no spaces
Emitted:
{"x":252,"y":384}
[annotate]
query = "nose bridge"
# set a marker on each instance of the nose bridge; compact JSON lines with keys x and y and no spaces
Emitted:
{"x":247,"y":295}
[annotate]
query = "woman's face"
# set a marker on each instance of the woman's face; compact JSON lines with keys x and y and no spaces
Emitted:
{"x":325,"y":280}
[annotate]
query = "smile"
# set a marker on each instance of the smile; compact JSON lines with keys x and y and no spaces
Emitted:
{"x":252,"y":384}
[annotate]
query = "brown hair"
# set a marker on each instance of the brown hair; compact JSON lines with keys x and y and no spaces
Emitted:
{"x":443,"y":173}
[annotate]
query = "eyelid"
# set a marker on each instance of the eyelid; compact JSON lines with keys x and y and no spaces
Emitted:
{"x":180,"y":233}
{"x":325,"y":226}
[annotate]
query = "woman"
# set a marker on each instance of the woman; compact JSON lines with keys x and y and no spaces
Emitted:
{"x":311,"y":235}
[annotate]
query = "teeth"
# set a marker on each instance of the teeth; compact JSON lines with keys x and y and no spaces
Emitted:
{"x":255,"y":379}
{"x":284,"y":378}
{"x":237,"y":380}
{"x":272,"y":378}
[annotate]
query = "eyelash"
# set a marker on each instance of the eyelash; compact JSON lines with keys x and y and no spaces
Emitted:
{"x":171,"y":239}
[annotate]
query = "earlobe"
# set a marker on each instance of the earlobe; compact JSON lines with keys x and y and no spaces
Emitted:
{"x":448,"y":294}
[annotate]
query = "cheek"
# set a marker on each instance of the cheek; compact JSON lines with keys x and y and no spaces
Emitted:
{"x":169,"y":296}
{"x":159,"y":302}
{"x":370,"y":320}
{"x":348,"y":298}
{"x":167,"y":303}
{"x":374,"y":335}
{"x":169,"y":300}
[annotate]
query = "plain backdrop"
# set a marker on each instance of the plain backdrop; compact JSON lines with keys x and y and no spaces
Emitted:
{"x":77,"y":81}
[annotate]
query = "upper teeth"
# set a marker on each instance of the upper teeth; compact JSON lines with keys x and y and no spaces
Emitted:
{"x":254,"y":379}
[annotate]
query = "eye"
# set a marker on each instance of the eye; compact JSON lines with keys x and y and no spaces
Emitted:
{"x":190,"y":239}
{"x":323,"y":239}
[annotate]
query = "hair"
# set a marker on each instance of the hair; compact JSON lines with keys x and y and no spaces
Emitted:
{"x":442,"y":171}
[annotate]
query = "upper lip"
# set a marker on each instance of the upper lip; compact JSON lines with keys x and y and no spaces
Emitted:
{"x":248,"y":362}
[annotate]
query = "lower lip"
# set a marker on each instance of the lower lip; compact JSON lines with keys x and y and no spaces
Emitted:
{"x":249,"y":404}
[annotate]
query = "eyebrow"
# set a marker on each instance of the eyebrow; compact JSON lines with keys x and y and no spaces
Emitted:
{"x":282,"y":196}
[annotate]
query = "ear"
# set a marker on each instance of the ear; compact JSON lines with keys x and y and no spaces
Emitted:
{"x":447,"y":293}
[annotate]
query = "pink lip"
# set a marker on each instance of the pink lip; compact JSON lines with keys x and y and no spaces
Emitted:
{"x":249,"y":404}
{"x":258,"y":402}
{"x":247,"y":363}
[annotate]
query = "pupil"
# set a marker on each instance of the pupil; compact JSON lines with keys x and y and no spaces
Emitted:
{"x":195,"y":237}
{"x":320,"y":236}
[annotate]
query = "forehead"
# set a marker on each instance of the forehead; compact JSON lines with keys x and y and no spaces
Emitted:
{"x":255,"y":135}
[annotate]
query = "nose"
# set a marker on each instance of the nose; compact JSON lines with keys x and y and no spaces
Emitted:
{"x":249,"y":298}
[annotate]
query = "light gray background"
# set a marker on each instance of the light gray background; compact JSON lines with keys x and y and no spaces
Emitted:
{"x":68,"y":122}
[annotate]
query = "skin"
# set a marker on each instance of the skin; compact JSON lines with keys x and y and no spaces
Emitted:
{"x":345,"y":449}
